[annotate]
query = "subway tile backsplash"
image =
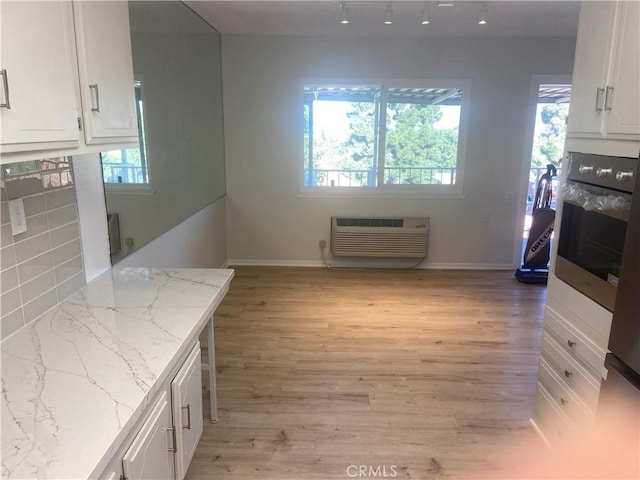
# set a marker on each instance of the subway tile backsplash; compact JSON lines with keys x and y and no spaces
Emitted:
{"x":42,"y":266}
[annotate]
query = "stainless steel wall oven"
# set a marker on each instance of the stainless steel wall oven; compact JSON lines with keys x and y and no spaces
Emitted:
{"x":596,"y":200}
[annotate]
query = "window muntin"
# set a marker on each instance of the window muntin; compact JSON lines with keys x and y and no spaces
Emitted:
{"x":384,"y":136}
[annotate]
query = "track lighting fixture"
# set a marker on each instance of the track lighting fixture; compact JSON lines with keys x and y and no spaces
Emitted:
{"x":426,"y":20}
{"x":426,"y":10}
{"x":483,"y":14}
{"x":388,"y":16}
{"x":345,"y":14}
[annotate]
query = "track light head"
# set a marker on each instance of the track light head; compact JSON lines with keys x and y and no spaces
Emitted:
{"x":484,"y":14}
{"x":426,"y":14}
{"x":388,"y":16}
{"x":345,"y":14}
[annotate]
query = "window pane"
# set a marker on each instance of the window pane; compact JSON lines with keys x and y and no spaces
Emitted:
{"x":130,"y":165}
{"x":341,"y":135}
{"x":422,"y":136}
{"x":123,"y":166}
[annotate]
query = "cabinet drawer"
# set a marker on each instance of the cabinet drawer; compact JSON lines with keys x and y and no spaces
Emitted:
{"x":575,"y":343}
{"x":566,"y":400}
{"x":555,"y":427}
{"x":572,"y":373}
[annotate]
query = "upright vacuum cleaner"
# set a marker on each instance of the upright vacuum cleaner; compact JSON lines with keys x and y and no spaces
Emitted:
{"x":536,"y":256}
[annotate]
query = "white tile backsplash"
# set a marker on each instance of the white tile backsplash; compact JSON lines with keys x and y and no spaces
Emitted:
{"x":43,"y":265}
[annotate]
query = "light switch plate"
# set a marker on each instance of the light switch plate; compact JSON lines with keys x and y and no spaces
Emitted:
{"x":16,"y":214}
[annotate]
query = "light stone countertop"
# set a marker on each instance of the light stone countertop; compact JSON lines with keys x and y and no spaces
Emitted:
{"x":76,"y":380}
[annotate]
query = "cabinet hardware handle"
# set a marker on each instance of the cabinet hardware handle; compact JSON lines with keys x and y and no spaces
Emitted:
{"x":5,"y":87}
{"x":567,"y":373}
{"x":599,"y":92}
{"x":571,"y":343}
{"x":188,"y":408}
{"x":94,"y":87}
{"x":563,"y":401}
{"x":173,"y":437}
{"x":607,"y":98}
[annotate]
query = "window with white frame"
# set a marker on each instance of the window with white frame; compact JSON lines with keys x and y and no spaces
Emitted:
{"x":129,"y":166}
{"x":384,"y":135}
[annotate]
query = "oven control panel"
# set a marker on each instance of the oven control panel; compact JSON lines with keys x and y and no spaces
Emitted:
{"x":609,"y":172}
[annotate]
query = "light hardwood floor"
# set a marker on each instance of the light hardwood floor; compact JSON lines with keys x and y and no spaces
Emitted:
{"x":417,"y":374}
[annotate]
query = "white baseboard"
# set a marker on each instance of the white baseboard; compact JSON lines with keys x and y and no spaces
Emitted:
{"x":470,"y":266}
{"x":367,"y":264}
{"x":274,"y":263}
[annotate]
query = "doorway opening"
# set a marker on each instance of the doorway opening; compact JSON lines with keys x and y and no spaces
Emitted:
{"x":549,"y":132}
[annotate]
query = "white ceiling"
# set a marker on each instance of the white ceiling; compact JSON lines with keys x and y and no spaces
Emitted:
{"x":322,"y":18}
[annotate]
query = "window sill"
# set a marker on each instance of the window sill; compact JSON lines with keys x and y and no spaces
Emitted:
{"x":128,"y":189}
{"x":362,"y":192}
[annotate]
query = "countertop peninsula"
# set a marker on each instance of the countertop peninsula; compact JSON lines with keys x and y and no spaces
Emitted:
{"x":76,"y":380}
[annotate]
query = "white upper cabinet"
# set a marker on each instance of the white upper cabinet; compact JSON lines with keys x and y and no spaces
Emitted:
{"x":106,"y":71}
{"x":606,"y":74}
{"x":65,"y":66}
{"x":37,"y":88}
{"x":624,"y":116}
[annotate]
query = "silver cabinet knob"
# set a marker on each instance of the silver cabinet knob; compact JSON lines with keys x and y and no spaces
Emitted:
{"x":585,"y":169}
{"x":624,"y":176}
{"x":604,"y":172}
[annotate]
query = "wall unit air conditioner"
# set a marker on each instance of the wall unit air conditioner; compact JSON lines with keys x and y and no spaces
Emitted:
{"x":401,"y":237}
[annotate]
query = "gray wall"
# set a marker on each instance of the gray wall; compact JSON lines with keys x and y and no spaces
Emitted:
{"x":182,"y":98}
{"x":269,"y":222}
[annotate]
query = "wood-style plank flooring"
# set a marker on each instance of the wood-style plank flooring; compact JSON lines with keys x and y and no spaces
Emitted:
{"x":418,"y":374}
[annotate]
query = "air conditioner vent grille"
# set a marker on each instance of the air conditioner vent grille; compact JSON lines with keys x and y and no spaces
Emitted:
{"x":406,"y":237}
{"x":370,"y":222}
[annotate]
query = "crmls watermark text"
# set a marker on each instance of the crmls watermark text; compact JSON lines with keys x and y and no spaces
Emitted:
{"x":372,"y":471}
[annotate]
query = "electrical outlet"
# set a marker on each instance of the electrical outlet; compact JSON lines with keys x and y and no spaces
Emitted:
{"x":322,"y":244}
{"x":508,"y":197}
{"x":16,"y":215}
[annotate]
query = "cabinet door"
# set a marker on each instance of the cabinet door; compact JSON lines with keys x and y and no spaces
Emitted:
{"x":624,"y":117}
{"x":106,"y":71}
{"x":186,"y":398}
{"x":593,"y":49}
{"x":149,"y":456}
{"x":39,"y":81}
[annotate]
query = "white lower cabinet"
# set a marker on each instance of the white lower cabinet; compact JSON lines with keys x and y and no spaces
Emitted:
{"x":163,"y":446}
{"x":186,"y":398}
{"x":571,"y":364}
{"x":150,"y":456}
